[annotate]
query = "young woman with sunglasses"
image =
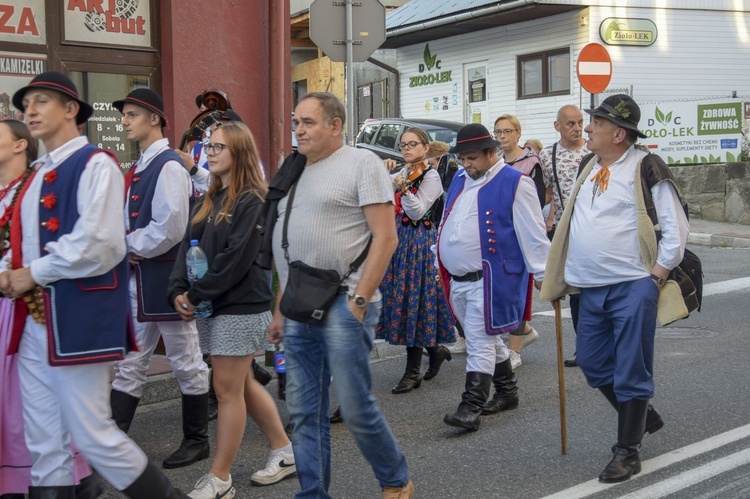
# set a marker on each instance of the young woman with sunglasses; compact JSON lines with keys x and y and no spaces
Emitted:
{"x":226,"y":224}
{"x":415,"y":312}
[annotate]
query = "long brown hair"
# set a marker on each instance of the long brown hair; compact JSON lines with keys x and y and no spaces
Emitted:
{"x":245,"y":172}
{"x":20,"y":131}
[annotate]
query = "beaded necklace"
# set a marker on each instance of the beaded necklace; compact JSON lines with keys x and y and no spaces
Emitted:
{"x":5,"y":219}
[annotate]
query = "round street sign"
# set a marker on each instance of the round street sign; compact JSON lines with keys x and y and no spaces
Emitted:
{"x":594,"y":68}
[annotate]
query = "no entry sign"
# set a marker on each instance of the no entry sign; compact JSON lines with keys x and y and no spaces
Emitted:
{"x":594,"y":68}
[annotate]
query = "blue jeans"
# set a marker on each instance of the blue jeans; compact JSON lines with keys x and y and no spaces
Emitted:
{"x":339,"y":347}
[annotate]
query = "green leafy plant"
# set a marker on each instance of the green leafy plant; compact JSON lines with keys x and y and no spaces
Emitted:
{"x":429,"y":59}
{"x":661,"y":117}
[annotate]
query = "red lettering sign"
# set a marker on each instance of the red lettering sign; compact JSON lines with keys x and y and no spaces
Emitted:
{"x":26,"y":22}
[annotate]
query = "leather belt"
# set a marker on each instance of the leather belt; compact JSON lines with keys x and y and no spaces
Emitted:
{"x":470,"y":277}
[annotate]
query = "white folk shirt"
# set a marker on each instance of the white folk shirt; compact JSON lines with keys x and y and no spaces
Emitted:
{"x":97,"y":242}
{"x":460,"y":248}
{"x":416,"y":205}
{"x":603,"y":248}
{"x":169,"y":208}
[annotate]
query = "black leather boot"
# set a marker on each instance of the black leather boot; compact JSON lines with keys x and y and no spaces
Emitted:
{"x":438,"y":355}
{"x":476,"y":393}
{"x":654,"y":421}
{"x":152,"y":484}
{"x":89,"y":488}
{"x":123,"y":408}
{"x":56,"y":492}
{"x":411,"y":378}
{"x":194,"y":446}
{"x":631,"y":422}
{"x":263,"y":376}
{"x":213,"y":402}
{"x":506,"y":391}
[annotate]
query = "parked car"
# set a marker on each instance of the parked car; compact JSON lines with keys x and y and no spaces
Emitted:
{"x":382,"y":136}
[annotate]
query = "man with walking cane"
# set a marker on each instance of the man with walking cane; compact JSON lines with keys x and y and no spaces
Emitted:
{"x":606,"y":246}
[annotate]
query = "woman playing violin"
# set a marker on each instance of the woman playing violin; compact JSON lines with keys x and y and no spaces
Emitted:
{"x":415,"y":312}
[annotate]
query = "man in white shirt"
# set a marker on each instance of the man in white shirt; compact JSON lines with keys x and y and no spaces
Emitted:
{"x":158,"y":191}
{"x":491,"y":238}
{"x":69,"y":260}
{"x":613,"y":258}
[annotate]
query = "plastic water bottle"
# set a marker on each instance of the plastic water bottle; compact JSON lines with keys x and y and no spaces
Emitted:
{"x":197,"y":266}
{"x":280,"y":367}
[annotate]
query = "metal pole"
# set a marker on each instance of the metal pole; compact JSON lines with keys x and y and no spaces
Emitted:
{"x":561,"y":375}
{"x":350,"y":97}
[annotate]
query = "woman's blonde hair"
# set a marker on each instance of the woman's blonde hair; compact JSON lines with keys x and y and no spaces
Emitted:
{"x":438,"y":148}
{"x":245,"y":173}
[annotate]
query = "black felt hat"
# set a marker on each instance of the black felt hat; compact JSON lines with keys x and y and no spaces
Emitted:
{"x":146,"y":98}
{"x":621,"y":110}
{"x":52,"y":80}
{"x":473,"y":137}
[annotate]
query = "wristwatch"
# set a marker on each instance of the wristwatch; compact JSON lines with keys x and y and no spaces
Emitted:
{"x":360,"y":301}
{"x":660,"y":281}
{"x":193,"y":170}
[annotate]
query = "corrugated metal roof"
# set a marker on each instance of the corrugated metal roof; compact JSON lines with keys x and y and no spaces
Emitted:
{"x":416,"y":11}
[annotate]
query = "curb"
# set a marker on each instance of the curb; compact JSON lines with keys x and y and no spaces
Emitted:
{"x":718,"y":241}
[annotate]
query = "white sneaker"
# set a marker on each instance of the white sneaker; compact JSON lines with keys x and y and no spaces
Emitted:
{"x":459,"y":346}
{"x":279,"y":466}
{"x":515,"y":359}
{"x":528,"y":338}
{"x":211,"y":486}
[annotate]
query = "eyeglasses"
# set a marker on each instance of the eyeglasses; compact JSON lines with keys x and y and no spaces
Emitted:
{"x":215,"y":148}
{"x":408,"y":145}
{"x":498,"y":133}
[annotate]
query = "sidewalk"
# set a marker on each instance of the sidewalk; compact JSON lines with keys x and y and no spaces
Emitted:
{"x":161,"y":385}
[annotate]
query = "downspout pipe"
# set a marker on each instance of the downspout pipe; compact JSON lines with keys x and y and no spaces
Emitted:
{"x":442,"y":21}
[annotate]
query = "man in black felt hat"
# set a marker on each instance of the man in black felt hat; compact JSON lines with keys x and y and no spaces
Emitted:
{"x":157,"y":208}
{"x":491,"y":238}
{"x":609,"y":251}
{"x":70,"y":262}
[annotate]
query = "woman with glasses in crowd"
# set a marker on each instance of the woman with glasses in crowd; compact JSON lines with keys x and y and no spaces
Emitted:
{"x":508,"y":133}
{"x":17,"y":150}
{"x":226,"y":224}
{"x":415,"y":312}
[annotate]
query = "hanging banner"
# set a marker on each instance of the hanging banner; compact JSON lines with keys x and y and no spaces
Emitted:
{"x":22,"y":21}
{"x":696,"y":132}
{"x":108,"y":22}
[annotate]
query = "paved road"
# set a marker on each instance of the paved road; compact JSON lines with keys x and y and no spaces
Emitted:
{"x":702,"y":391}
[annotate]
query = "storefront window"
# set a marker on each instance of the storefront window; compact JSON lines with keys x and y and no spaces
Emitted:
{"x":105,"y":128}
{"x":544,"y":73}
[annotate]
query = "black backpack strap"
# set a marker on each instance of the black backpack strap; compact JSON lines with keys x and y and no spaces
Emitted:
{"x":554,"y":172}
{"x":584,"y":161}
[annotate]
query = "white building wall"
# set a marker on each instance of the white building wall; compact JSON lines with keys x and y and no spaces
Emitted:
{"x":699,"y":53}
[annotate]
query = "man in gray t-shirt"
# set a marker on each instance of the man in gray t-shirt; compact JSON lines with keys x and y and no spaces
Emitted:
{"x":343,"y":196}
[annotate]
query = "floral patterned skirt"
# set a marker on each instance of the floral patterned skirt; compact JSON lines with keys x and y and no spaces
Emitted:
{"x":415,"y":311}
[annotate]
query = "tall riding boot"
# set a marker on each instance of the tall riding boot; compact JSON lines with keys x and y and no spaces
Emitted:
{"x":438,"y":355}
{"x":631,"y":422}
{"x":476,"y":393}
{"x":152,"y":484}
{"x":194,"y":446}
{"x":506,"y":391}
{"x":261,"y":375}
{"x":56,"y":492}
{"x":123,"y":408}
{"x":654,"y":421}
{"x":411,"y":378}
{"x":89,"y":488}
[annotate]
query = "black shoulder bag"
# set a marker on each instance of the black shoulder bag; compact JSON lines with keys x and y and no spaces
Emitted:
{"x":310,"y":291}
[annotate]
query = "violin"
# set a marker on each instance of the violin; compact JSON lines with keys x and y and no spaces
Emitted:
{"x":415,"y":170}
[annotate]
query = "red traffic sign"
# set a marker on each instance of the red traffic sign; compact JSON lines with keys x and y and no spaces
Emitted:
{"x":594,"y":68}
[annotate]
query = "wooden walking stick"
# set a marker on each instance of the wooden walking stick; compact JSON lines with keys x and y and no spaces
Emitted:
{"x":561,"y":377}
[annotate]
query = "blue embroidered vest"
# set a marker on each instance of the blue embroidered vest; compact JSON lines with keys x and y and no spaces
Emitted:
{"x":506,"y":278}
{"x":151,"y":274}
{"x":87,"y":319}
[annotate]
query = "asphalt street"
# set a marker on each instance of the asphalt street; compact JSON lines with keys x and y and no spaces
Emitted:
{"x":702,"y":391}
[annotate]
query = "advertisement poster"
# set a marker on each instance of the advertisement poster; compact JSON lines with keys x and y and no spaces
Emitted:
{"x":109,"y":22}
{"x":22,"y":21}
{"x":16,"y":71}
{"x":696,"y":132}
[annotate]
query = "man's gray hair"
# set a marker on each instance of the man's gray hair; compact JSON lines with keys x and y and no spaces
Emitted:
{"x":332,"y":106}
